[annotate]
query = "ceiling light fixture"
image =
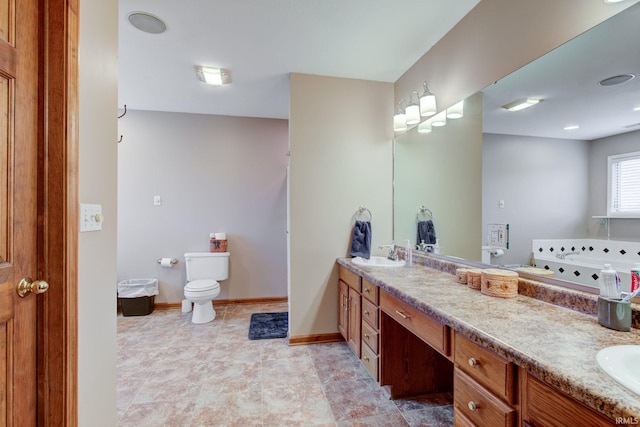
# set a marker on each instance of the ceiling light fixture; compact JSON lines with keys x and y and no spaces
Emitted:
{"x":213,"y":76}
{"x":400,"y":119}
{"x":521,"y":104}
{"x":147,"y":22}
{"x":413,"y":109}
{"x":439,"y":119}
{"x":571,"y":127}
{"x":637,"y":108}
{"x":456,"y":111}
{"x":427,"y":102}
{"x":613,"y":1}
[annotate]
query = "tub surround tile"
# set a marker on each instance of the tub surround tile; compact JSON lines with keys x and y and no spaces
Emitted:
{"x":553,"y":342}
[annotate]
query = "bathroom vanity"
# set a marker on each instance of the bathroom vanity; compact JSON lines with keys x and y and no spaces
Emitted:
{"x":517,"y":361}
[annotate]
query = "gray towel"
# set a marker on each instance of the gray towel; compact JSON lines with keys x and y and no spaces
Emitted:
{"x":361,"y":240}
{"x":426,"y":232}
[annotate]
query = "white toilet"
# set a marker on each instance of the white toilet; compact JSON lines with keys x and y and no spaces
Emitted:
{"x":204,"y":269}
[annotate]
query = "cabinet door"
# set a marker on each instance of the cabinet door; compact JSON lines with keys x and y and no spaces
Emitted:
{"x":355,"y":317}
{"x":343,"y":309}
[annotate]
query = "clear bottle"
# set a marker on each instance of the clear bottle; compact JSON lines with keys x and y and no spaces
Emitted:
{"x":409,"y":254}
{"x":609,"y":282}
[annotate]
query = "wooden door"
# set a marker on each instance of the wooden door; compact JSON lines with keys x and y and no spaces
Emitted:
{"x":343,"y":309}
{"x":18,"y":208}
{"x":355,"y":319}
{"x":38,"y":211}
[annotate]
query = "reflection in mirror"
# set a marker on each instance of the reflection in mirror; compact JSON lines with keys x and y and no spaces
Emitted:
{"x":441,"y":171}
{"x":548,"y":184}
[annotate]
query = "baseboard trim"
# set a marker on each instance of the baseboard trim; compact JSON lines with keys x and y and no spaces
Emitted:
{"x":218,"y":302}
{"x":315,"y":339}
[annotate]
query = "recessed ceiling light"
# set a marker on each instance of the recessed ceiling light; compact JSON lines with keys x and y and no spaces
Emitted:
{"x":616,"y":80}
{"x":521,"y":104}
{"x":147,"y":22}
{"x":571,"y":127}
{"x":213,"y":76}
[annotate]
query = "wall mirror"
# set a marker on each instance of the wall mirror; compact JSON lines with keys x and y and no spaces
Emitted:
{"x":544,"y":181}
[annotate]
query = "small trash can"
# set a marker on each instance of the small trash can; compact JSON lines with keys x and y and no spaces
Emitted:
{"x":137,"y":295}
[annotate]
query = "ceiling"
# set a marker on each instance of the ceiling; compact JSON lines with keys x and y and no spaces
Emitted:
{"x":263,"y":41}
{"x":567,"y":80}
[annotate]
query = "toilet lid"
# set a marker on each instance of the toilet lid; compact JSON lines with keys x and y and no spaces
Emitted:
{"x":202,"y":285}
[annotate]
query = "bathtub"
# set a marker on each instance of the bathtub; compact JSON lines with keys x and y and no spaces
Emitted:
{"x":584,"y":268}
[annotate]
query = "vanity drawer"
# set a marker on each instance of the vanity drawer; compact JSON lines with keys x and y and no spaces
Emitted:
{"x":370,"y":291}
{"x":370,"y":361}
{"x":350,"y":278}
{"x":370,"y":313}
{"x":478,"y":405}
{"x":370,"y":337}
{"x":426,"y":328}
{"x":492,"y":371}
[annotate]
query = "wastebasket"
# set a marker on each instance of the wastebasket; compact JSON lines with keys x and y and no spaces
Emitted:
{"x":137,"y":295}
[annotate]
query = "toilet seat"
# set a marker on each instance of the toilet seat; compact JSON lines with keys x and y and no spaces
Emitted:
{"x":205,"y":285}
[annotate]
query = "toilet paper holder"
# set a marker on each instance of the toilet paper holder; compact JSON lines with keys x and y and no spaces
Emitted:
{"x":173,"y":261}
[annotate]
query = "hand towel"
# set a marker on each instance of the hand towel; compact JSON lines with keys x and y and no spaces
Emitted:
{"x":426,"y":232}
{"x":361,"y":240}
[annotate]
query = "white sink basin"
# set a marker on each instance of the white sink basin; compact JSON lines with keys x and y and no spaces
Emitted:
{"x":622,"y":363}
{"x":377,"y":261}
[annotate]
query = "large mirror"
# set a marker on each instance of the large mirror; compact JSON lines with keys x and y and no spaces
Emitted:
{"x":547,"y":183}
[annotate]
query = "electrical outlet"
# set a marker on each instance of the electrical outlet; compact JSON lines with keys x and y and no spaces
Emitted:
{"x":501,"y":204}
{"x":157,"y":200}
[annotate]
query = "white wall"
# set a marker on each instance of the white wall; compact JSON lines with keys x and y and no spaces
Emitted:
{"x":98,"y":53}
{"x":341,"y":157}
{"x":213,"y":174}
{"x":621,"y":229}
{"x":544,"y":183}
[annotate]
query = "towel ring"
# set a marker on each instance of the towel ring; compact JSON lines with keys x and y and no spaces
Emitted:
{"x":425,"y":213}
{"x":362,"y":211}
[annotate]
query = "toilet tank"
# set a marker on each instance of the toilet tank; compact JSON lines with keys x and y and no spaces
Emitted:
{"x":207,"y":265}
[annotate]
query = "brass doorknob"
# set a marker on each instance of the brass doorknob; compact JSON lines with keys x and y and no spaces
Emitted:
{"x":27,"y":285}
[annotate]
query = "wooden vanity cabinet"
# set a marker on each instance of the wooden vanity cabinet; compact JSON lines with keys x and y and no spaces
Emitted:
{"x":544,"y":406}
{"x":484,"y":386}
{"x":370,"y":328}
{"x":349,"y":307}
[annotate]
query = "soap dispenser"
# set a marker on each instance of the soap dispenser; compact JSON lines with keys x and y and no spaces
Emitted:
{"x":409,"y":254}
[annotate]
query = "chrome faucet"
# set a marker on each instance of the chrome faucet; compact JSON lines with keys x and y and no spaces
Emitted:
{"x":562,"y":255}
{"x":393,"y":251}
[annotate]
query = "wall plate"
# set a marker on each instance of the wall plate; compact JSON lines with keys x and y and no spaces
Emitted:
{"x":498,"y":235}
{"x":90,"y":217}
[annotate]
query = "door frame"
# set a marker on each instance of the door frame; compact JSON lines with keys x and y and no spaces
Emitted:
{"x":58,"y":138}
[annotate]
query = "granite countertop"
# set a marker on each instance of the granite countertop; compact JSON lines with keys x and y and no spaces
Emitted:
{"x":554,"y":343}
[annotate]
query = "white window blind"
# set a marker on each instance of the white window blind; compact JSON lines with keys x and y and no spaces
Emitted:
{"x":624,"y":196}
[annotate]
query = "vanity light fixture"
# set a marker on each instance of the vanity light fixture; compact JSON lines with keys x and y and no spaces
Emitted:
{"x":571,"y":127}
{"x":213,"y":76}
{"x":427,"y":102}
{"x":425,"y":127}
{"x":439,"y":119}
{"x":413,"y":109}
{"x":456,"y":111}
{"x":400,"y":118}
{"x":521,"y":104}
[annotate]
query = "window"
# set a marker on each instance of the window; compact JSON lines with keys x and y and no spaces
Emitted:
{"x":624,"y":185}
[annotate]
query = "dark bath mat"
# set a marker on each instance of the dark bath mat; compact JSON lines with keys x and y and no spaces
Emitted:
{"x":268,"y":325}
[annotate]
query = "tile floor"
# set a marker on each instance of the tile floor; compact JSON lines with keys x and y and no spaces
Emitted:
{"x":174,"y":373}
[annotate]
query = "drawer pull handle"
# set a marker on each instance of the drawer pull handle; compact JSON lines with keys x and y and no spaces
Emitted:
{"x":366,"y":312}
{"x":402,"y":314}
{"x":367,"y":290}
{"x":472,"y":405}
{"x":366,"y":336}
{"x":365,"y":358}
{"x":473,"y":362}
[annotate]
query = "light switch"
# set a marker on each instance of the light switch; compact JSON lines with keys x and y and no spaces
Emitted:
{"x":501,"y":204}
{"x":157,"y":201}
{"x":90,"y":217}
